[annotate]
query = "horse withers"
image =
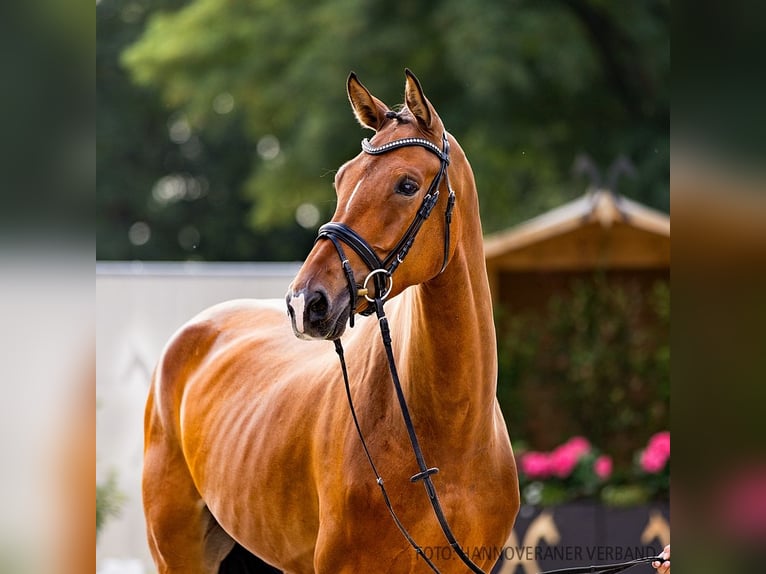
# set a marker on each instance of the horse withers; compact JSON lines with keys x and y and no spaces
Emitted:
{"x":249,"y":443}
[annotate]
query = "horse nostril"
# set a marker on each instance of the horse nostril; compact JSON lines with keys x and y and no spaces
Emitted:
{"x":317,"y":306}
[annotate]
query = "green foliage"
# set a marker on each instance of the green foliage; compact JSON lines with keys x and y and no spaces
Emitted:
{"x":109,"y":501}
{"x":46,"y":147}
{"x":181,"y":183}
{"x":600,"y":354}
{"x":625,"y":495}
{"x":525,"y":86}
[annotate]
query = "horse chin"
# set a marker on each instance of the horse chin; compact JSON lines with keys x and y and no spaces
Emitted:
{"x":329,"y":330}
{"x":339,"y":327}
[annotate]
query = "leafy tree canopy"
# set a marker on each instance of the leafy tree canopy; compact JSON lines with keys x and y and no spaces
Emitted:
{"x":258,"y":88}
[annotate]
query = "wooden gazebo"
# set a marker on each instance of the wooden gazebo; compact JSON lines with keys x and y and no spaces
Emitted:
{"x":599,"y":231}
{"x":600,"y":239}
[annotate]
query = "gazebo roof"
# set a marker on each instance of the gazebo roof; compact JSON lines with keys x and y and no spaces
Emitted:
{"x":598,"y":230}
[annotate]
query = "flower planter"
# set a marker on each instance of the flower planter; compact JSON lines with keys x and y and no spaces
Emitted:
{"x":583,"y":533}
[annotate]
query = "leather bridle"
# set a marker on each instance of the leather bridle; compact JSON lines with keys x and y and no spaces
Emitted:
{"x":340,"y":233}
{"x":381,"y":272}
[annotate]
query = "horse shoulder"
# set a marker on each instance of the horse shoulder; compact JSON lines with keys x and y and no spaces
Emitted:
{"x":191,"y":346}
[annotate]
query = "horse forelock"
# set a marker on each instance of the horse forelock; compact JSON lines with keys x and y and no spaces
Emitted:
{"x":401,"y":116}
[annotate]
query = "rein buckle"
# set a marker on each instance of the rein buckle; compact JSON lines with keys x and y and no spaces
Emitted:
{"x":423,"y":475}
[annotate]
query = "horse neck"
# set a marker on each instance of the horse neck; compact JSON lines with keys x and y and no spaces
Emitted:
{"x":450,"y":354}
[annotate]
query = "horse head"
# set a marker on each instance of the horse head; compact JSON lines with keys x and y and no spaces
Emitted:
{"x":381,"y":239}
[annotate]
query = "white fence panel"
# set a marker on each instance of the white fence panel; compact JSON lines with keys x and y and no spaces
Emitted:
{"x":140,"y":305}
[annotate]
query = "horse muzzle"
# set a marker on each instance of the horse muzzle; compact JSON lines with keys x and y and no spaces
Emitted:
{"x":316,"y":315}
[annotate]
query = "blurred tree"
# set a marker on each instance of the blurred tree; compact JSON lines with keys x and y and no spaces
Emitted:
{"x":167,"y":189}
{"x":258,"y":90}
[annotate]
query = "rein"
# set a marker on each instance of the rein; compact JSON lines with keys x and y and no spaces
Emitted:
{"x":425,"y":472}
{"x":381,"y":272}
{"x":606,"y":568}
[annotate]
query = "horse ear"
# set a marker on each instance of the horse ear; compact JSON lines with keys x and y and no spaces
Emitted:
{"x":417,"y":102}
{"x":369,"y":110}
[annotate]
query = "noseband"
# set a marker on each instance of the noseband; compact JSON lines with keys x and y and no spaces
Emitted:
{"x":382,"y":270}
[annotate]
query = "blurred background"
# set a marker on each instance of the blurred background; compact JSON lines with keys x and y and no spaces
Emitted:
{"x":220,"y":124}
{"x":219,"y":129}
{"x":569,"y":77}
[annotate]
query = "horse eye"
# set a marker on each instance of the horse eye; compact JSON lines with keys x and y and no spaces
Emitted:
{"x":407,"y":187}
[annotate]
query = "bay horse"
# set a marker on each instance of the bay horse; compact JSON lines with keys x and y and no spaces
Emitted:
{"x":249,"y":442}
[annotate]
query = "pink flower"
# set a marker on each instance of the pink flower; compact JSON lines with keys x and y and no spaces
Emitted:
{"x":660,"y":443}
{"x":577,"y":445}
{"x":564,"y":458}
{"x":535,"y":464}
{"x":656,"y":454}
{"x":651,"y":461}
{"x":603,"y":467}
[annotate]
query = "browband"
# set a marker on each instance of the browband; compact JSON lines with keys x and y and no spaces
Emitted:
{"x":367,"y":147}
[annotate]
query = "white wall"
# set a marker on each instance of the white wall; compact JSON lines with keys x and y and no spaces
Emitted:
{"x":139,"y":306}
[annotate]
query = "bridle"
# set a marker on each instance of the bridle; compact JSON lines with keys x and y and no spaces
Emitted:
{"x":340,"y":233}
{"x":381,"y":272}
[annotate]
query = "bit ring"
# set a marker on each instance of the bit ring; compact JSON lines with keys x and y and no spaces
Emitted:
{"x":385,"y":293}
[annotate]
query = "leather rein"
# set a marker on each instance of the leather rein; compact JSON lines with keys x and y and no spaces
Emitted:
{"x":607,"y":568}
{"x":381,"y":272}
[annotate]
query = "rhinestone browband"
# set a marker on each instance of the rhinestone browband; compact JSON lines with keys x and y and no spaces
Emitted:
{"x":367,"y":147}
